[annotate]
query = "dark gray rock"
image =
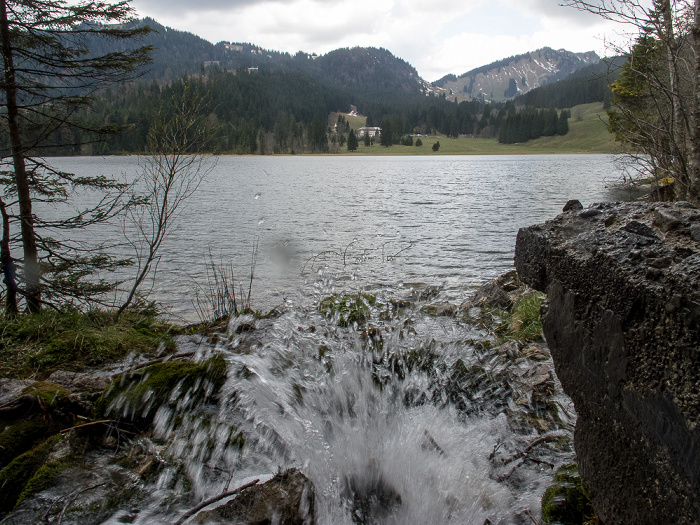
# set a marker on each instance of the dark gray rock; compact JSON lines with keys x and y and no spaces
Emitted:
{"x":91,"y":383}
{"x":572,"y":205}
{"x":497,"y":293}
{"x":622,"y":322}
{"x":286,"y":499}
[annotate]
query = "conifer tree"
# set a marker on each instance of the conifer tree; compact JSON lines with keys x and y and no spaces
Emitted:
{"x":563,"y":123}
{"x":352,"y":140}
{"x":50,"y":79}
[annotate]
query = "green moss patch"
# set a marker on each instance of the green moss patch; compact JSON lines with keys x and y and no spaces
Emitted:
{"x":521,"y":322}
{"x":51,"y":395}
{"x":349,"y":309}
{"x":180,"y":384}
{"x":566,"y":501}
{"x":19,"y":437}
{"x":15,"y":477}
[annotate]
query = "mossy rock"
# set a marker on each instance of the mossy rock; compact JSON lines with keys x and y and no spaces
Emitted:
{"x":19,"y":437}
{"x":566,"y":501}
{"x":349,"y":309}
{"x":137,"y":396}
{"x":16,"y":476}
{"x":43,"y":478}
{"x":52,"y":395}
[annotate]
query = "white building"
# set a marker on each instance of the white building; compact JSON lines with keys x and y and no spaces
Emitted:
{"x":372,"y":131}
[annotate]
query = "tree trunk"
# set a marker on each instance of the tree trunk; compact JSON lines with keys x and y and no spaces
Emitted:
{"x":31,"y":266}
{"x":695,"y":146}
{"x":8,"y":265}
{"x":678,"y":122}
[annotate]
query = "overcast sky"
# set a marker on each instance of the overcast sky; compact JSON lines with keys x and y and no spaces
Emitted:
{"x":436,"y":38}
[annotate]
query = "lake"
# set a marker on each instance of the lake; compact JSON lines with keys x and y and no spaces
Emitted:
{"x":365,"y":222}
{"x":406,"y":417}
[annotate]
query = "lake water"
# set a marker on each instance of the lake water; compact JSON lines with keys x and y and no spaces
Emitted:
{"x":368,"y":221}
{"x":404,"y":418}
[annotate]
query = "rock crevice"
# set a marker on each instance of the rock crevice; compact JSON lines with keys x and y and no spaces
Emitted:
{"x":622,"y":321}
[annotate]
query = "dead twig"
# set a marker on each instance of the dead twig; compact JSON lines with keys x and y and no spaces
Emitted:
{"x":74,"y":497}
{"x":160,"y":360}
{"x":505,"y":477}
{"x":92,"y":423}
{"x":314,"y":257}
{"x":205,"y":503}
{"x":526,"y":450}
{"x":528,"y":513}
{"x":392,"y":257}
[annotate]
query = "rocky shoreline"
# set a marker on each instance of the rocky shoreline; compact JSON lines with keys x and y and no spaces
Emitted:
{"x":623,"y":324}
{"x":105,"y":447}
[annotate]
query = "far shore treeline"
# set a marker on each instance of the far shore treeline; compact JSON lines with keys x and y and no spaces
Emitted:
{"x":296,"y":104}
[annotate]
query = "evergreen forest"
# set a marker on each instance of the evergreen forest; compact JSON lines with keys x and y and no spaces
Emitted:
{"x":257,"y":101}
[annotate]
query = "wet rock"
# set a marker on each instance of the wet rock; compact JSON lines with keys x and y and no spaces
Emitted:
{"x":499,"y":293}
{"x":286,"y":499}
{"x":441,"y":309}
{"x":373,"y":499}
{"x":84,"y":382}
{"x":572,"y":205}
{"x":12,"y":388}
{"x":624,"y":333}
{"x":668,"y":219}
{"x":695,"y":232}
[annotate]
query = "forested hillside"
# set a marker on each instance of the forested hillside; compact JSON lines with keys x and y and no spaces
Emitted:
{"x":589,"y":84}
{"x":504,"y":79}
{"x":177,"y":53}
{"x":262,"y":101}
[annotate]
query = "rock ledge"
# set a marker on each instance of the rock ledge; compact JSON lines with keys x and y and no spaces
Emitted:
{"x":622,"y":322}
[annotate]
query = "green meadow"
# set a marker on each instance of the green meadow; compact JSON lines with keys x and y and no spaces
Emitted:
{"x":587,"y":134}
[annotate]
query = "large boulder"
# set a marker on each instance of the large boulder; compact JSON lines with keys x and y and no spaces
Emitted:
{"x":622,"y":322}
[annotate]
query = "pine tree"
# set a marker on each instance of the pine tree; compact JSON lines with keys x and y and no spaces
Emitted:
{"x":50,"y":79}
{"x":352,"y":140}
{"x":563,"y":123}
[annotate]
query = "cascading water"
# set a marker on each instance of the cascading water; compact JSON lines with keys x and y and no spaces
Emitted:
{"x":396,"y":416}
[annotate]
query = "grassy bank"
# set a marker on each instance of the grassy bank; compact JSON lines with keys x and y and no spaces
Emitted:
{"x":34,"y":345}
{"x":587,"y":134}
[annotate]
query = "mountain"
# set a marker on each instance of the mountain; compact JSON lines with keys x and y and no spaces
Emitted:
{"x":513,"y":76}
{"x":588,"y":84}
{"x":367,"y":70}
{"x":362,"y":70}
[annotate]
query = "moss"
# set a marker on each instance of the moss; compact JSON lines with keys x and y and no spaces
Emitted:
{"x":348,"y":309}
{"x":140,"y":394}
{"x":16,"y":475}
{"x":20,"y":437}
{"x":43,"y":478}
{"x":51,"y":394}
{"x":565,"y":501}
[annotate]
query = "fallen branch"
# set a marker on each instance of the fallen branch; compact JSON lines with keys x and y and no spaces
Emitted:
{"x":74,"y":497}
{"x":160,"y":360}
{"x":205,"y":503}
{"x":541,"y":439}
{"x":528,"y":513}
{"x":92,"y":423}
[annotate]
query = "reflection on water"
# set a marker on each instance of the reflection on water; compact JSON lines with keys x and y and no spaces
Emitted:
{"x":383,"y":221}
